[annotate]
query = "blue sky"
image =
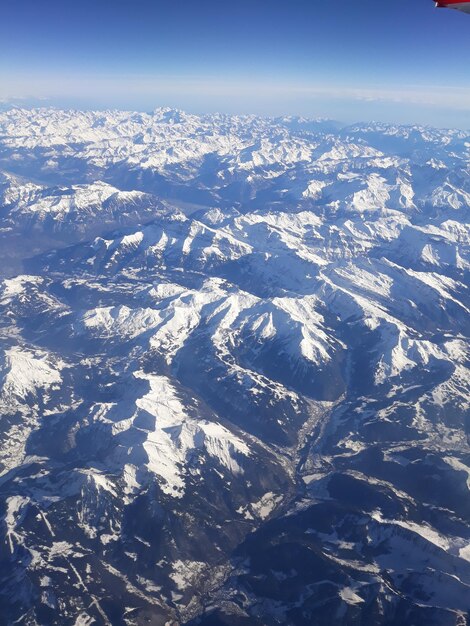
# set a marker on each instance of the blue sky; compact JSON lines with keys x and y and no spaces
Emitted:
{"x":401,"y":60}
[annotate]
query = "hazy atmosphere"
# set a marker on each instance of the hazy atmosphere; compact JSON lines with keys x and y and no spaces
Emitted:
{"x":399,"y":61}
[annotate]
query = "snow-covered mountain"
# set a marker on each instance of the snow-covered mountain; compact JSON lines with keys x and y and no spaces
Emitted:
{"x":234,"y":371}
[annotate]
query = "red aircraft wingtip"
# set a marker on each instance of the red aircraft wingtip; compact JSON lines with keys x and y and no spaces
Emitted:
{"x":459,"y":5}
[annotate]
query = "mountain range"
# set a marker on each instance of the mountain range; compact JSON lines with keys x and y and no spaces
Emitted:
{"x":234,"y":371}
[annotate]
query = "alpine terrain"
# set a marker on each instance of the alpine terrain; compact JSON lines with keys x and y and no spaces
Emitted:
{"x":234,"y":371}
